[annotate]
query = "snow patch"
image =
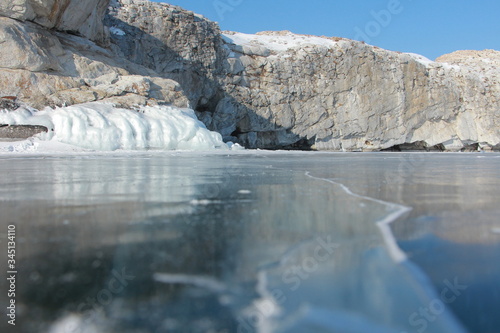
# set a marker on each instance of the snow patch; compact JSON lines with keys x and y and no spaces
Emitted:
{"x":421,"y":59}
{"x":117,"y":31}
{"x":103,"y":127}
{"x":244,"y":192}
{"x":204,"y":202}
{"x":235,"y":146}
{"x":275,"y":42}
{"x":73,"y":323}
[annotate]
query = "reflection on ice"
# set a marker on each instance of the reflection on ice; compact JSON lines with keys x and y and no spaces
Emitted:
{"x":198,"y":281}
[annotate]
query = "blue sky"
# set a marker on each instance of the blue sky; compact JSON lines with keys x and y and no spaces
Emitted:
{"x":427,"y":27}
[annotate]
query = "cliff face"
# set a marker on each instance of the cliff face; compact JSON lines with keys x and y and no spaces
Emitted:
{"x":75,"y":16}
{"x":345,"y":95}
{"x":173,"y":42}
{"x":271,"y":90}
{"x":42,"y":66}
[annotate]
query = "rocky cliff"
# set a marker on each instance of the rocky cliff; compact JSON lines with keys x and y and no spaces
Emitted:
{"x":46,"y":58}
{"x":270,"y":90}
{"x":344,"y":95}
{"x":74,"y":16}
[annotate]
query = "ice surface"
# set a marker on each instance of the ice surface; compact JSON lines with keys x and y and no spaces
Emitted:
{"x":254,"y":241}
{"x":396,"y":211}
{"x":99,"y":126}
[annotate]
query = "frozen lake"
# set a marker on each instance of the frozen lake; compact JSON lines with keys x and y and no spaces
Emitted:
{"x":253,"y":242}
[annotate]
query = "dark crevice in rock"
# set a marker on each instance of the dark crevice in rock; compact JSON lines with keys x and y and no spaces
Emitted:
{"x":8,"y":103}
{"x":302,"y":144}
{"x":415,"y":146}
{"x":209,"y":103}
{"x":471,"y":148}
{"x":237,"y":132}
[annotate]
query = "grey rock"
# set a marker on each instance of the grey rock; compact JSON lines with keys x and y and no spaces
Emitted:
{"x":20,"y":132}
{"x":41,"y":68}
{"x":174,"y":43}
{"x":9,"y":103}
{"x":346,"y":95}
{"x":82,"y":17}
{"x":26,"y":46}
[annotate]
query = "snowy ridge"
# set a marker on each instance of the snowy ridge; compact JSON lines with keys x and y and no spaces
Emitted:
{"x":278,"y":42}
{"x":103,"y":127}
{"x":421,"y":59}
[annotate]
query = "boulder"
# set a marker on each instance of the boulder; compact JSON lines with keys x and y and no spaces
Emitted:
{"x":19,"y":132}
{"x":26,"y":46}
{"x":8,"y":103}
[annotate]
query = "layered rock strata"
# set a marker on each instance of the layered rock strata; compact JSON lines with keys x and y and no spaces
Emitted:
{"x":43,"y":67}
{"x":84,"y":18}
{"x":271,"y":90}
{"x":345,"y":95}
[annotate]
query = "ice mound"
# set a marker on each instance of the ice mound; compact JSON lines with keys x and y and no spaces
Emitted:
{"x":103,"y":127}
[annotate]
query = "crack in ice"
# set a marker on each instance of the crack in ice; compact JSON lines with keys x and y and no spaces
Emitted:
{"x":384,"y":224}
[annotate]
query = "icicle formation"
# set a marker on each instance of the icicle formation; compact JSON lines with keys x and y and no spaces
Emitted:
{"x":104,"y":127}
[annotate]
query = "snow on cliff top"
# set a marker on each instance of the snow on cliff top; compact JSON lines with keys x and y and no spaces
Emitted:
{"x":278,"y":41}
{"x":262,"y":43}
{"x":281,"y":41}
{"x":471,"y":56}
{"x":421,"y":59}
{"x":486,"y":62}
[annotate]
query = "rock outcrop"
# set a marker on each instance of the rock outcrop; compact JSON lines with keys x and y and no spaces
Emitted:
{"x":19,"y":132}
{"x":43,"y":67}
{"x":282,"y":89}
{"x":271,"y":90}
{"x":9,"y":103}
{"x":75,"y":16}
{"x":174,"y":43}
